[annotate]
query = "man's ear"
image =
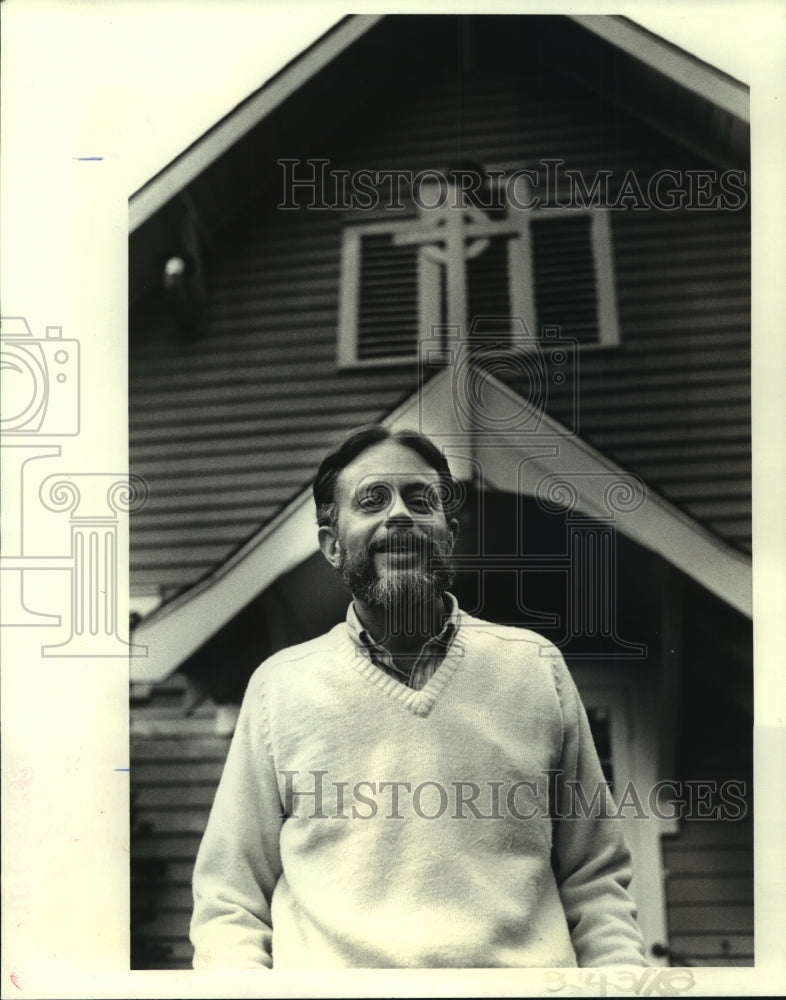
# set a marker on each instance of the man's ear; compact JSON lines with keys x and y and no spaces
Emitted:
{"x":330,"y":545}
{"x":453,"y":525}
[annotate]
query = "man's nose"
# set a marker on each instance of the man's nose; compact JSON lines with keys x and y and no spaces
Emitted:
{"x":398,"y":512}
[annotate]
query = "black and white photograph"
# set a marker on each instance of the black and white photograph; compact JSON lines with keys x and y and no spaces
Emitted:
{"x":392,"y":501}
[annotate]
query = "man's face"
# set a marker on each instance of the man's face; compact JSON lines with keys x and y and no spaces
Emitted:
{"x":392,"y":541}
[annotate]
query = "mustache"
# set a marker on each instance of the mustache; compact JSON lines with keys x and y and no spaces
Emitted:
{"x":398,"y":539}
{"x":408,"y":540}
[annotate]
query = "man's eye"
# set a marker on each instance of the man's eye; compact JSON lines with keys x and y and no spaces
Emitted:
{"x":375,"y":498}
{"x":422,"y":502}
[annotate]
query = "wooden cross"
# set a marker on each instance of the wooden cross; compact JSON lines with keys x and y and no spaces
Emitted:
{"x":450,"y":234}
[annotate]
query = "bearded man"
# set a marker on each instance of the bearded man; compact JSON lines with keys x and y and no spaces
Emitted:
{"x":394,"y":795}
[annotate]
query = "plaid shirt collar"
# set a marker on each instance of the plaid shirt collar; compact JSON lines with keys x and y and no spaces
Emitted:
{"x":432,"y":653}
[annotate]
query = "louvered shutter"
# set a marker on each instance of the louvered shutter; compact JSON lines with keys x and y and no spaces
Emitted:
{"x":387,"y":312}
{"x":488,"y":285}
{"x":564,"y":274}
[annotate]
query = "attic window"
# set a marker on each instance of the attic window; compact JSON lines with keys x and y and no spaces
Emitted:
{"x":553,"y":268}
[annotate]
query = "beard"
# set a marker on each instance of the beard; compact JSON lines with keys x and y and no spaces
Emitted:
{"x":404,"y":588}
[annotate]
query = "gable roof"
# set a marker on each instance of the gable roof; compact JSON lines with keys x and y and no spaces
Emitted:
{"x":705,"y":105}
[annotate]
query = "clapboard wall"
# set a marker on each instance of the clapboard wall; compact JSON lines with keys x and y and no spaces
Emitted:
{"x":176,"y":763}
{"x":673,"y":403}
{"x":227,"y":427}
{"x":708,"y":862}
{"x":709,"y":894}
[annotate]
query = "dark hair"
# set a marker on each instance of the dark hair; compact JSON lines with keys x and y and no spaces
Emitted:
{"x":359,"y":441}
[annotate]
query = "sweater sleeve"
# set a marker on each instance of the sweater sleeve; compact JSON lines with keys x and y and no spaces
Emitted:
{"x":238,"y":863}
{"x":591,"y":859}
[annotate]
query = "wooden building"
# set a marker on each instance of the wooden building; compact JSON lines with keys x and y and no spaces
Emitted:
{"x":573,"y":329}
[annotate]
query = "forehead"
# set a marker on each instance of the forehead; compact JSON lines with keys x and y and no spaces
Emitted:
{"x":388,"y":461}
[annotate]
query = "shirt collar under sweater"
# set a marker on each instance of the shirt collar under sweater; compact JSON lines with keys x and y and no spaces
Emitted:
{"x":432,"y":653}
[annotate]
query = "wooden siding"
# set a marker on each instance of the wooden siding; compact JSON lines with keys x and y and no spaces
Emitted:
{"x":708,"y":864}
{"x":228,"y":427}
{"x":709,"y":893}
{"x":673,"y":403}
{"x":176,"y":764}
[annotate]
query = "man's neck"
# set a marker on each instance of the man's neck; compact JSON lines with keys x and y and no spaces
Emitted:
{"x":403,"y":629}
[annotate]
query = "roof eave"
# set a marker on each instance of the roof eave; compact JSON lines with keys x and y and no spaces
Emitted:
{"x":225,"y":133}
{"x":695,"y":75}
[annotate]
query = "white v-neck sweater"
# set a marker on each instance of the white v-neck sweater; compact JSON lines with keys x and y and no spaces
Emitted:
{"x":359,"y":823}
